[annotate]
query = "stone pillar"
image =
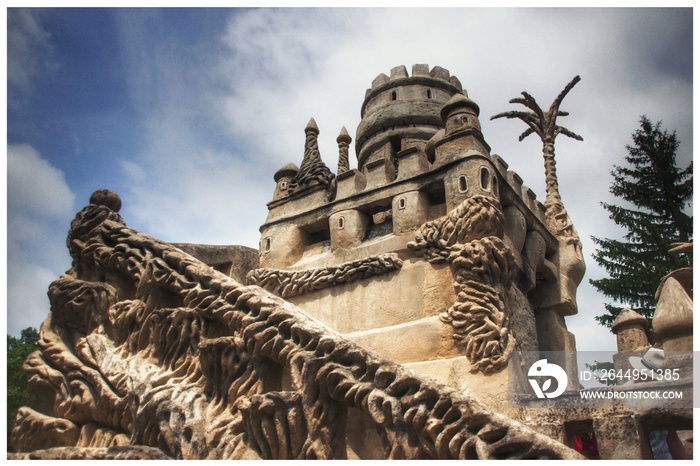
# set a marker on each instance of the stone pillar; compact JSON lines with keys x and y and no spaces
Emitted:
{"x":349,"y":183}
{"x":281,"y":246}
{"x":379,"y":173}
{"x":632,"y":340}
{"x":618,"y":437}
{"x":409,"y":211}
{"x":630,"y":330}
{"x":344,"y":141}
{"x":554,"y":337}
{"x":534,"y":251}
{"x":516,"y":229}
{"x":348,"y":228}
{"x":673,"y":318}
{"x":412,"y":162}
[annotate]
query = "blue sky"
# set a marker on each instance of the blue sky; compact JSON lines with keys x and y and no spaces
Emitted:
{"x":188,"y":113}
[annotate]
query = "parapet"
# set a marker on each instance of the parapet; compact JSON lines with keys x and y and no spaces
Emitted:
{"x":419,"y":72}
{"x":403,"y":111}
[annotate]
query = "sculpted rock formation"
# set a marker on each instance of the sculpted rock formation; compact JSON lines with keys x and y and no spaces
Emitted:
{"x":149,"y":353}
{"x":470,"y":239}
{"x":430,"y":253}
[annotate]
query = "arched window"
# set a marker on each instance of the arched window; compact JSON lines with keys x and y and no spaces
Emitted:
{"x":485,"y":179}
{"x":495,"y":185}
{"x":341,"y":223}
{"x":462,"y":184}
{"x":268,"y":244}
{"x":402,"y":203}
{"x":429,"y":94}
{"x":393,"y":95}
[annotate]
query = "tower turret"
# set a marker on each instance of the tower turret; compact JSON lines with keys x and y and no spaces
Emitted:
{"x":402,"y":111}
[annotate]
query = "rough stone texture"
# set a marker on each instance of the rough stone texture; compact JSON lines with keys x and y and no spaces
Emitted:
{"x":106,"y":198}
{"x":630,"y":329}
{"x":312,"y":170}
{"x":469,"y":238}
{"x":128,"y":452}
{"x":429,"y":251}
{"x":234,"y":261}
{"x":496,"y":275}
{"x":561,"y":295}
{"x":673,"y":317}
{"x":287,"y":283}
{"x":171,"y":354}
{"x":343,"y":141}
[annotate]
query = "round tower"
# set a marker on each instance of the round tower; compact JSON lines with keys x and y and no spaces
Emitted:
{"x":402,"y":111}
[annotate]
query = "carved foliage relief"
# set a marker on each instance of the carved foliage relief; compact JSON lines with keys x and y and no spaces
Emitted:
{"x":469,"y":238}
{"x":149,"y":353}
{"x":288,"y":283}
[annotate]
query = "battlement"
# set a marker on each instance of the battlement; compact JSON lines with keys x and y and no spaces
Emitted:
{"x":420,"y":73}
{"x":401,"y":111}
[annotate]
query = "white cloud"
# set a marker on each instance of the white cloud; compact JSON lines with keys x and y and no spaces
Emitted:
{"x":181,"y":190}
{"x":40,"y":207}
{"x":36,"y":187}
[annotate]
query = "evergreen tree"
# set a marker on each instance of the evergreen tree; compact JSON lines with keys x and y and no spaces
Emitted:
{"x":657,"y":191}
{"x":18,"y":349}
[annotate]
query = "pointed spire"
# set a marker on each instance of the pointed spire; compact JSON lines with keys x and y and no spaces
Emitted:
{"x":344,"y":141}
{"x":311,"y":127}
{"x":312,"y":169}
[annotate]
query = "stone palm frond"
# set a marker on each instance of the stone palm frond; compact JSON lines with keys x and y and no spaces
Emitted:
{"x":539,"y":122}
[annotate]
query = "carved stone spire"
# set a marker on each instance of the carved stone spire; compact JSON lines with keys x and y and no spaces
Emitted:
{"x":344,"y":141}
{"x":312,"y":170}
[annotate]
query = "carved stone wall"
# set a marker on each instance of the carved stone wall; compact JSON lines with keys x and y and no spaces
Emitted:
{"x":288,"y":283}
{"x":470,"y":239}
{"x":148,"y":350}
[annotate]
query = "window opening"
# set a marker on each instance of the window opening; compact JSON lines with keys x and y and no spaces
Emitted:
{"x":393,"y":95}
{"x":402,"y":203}
{"x":429,"y":94}
{"x":485,"y":179}
{"x":495,"y":185}
{"x":268,"y":244}
{"x":341,"y":223}
{"x":463,"y":186}
{"x":395,"y":149}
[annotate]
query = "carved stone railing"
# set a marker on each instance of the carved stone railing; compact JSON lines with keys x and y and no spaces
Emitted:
{"x":147,"y":348}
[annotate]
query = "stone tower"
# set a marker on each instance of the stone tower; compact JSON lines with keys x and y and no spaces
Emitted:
{"x":431,"y":232}
{"x":402,"y":111}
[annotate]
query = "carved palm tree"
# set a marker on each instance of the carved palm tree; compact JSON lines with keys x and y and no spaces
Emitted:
{"x":544,"y":124}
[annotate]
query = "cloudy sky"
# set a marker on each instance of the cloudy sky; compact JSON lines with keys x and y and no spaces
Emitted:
{"x":188,"y":113}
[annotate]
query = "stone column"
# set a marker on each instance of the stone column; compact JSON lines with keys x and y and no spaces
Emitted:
{"x":632,"y":340}
{"x":630,"y":329}
{"x":673,"y":318}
